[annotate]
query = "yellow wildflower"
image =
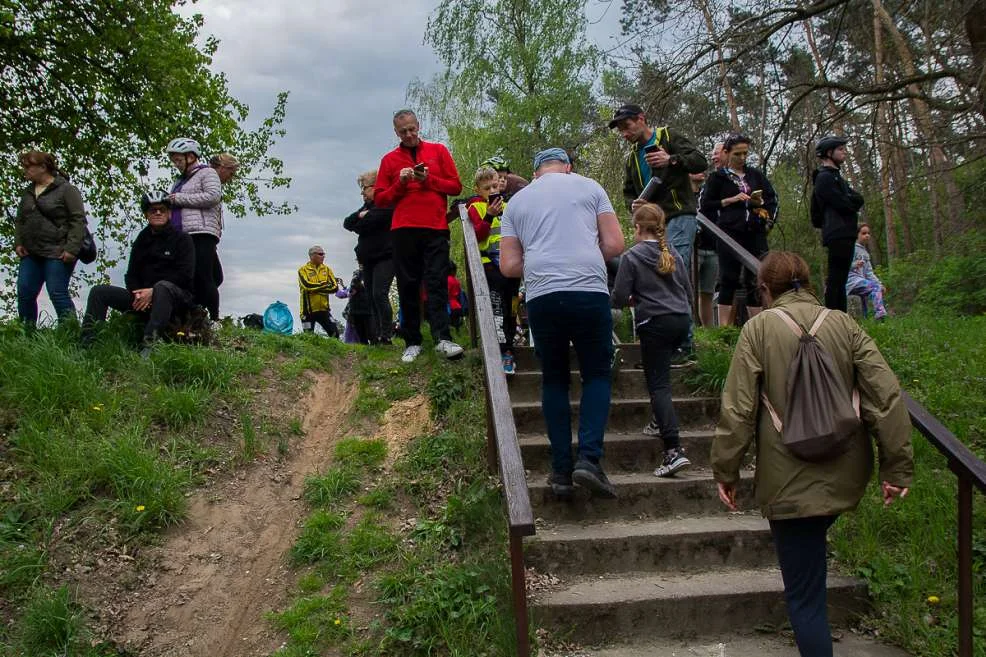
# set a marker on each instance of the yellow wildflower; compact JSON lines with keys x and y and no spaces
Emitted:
{"x":140,"y":507}
{"x":933,"y":599}
{"x":97,"y":407}
{"x":338,"y":622}
{"x":180,"y":334}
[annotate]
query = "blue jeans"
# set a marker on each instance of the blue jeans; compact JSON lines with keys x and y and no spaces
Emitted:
{"x":584,"y":319}
{"x":35,"y":272}
{"x":681,"y":235}
{"x":800,"y":545}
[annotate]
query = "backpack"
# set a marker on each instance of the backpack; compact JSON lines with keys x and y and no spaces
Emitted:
{"x":822,"y":417}
{"x":253,"y":321}
{"x":278,"y":319}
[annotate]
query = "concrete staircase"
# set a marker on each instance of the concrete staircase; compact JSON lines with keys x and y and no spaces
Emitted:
{"x":665,"y":562}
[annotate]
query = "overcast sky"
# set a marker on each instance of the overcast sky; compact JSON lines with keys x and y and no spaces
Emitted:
{"x":347,"y":65}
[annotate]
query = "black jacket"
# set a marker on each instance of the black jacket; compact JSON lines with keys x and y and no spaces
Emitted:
{"x":374,"y":233}
{"x":165,"y":255}
{"x":737,"y":217}
{"x":678,"y":197}
{"x":834,"y":205}
{"x":52,"y":222}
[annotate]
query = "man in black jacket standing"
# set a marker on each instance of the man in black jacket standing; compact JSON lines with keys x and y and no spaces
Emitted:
{"x":158,"y":279}
{"x":835,"y":210}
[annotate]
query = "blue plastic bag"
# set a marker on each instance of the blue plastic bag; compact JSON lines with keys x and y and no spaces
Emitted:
{"x":278,"y":319}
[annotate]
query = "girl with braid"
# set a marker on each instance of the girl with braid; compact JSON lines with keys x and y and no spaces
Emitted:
{"x":653,"y":278}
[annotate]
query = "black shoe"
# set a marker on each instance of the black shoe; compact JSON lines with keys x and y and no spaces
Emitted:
{"x":682,"y":358}
{"x":591,"y":476}
{"x":561,"y":484}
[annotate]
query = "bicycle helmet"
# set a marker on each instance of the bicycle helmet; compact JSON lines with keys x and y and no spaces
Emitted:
{"x":183,"y":145}
{"x":828,"y":143}
{"x":497,"y":163}
{"x":154,"y":197}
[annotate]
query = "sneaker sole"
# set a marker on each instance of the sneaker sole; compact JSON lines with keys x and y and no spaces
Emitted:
{"x":674,"y":469}
{"x":563,"y":491}
{"x":678,"y":366}
{"x":587,"y":480}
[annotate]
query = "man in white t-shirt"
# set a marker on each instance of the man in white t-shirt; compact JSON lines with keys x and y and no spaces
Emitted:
{"x":558,"y":232}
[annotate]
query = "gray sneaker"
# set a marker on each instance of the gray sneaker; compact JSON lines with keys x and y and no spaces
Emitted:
{"x":591,"y":476}
{"x":449,"y":349}
{"x":674,"y":461}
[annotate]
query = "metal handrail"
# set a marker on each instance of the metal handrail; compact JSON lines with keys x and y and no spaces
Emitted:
{"x":501,"y":432}
{"x":967,"y":467}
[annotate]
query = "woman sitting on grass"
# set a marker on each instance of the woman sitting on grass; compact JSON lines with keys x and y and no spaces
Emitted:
{"x":802,"y":499}
{"x":655,"y":277}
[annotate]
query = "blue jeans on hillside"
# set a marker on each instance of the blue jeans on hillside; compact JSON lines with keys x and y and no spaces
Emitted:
{"x":583,"y":319}
{"x":681,"y":235}
{"x":35,"y":272}
{"x":800,"y":545}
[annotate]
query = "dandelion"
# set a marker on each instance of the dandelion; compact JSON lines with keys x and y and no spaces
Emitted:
{"x":338,"y":622}
{"x":140,"y":507}
{"x":180,"y":334}
{"x":933,"y":599}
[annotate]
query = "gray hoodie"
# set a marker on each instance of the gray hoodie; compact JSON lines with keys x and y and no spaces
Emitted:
{"x":654,"y":294}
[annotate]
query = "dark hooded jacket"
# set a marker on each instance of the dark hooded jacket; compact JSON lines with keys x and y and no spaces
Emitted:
{"x":374,"y":233}
{"x":163,"y":255}
{"x":53,"y":222}
{"x":654,"y":293}
{"x":678,"y":197}
{"x":835,"y":205}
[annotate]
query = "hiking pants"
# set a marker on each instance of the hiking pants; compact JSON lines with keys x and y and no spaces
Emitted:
{"x":421,"y":256}
{"x":659,"y":337}
{"x":840,"y":253}
{"x":208,"y":273}
{"x":800,"y":545}
{"x":324,"y":319}
{"x":377,"y":278}
{"x":583,"y":319}
{"x":167,"y":300}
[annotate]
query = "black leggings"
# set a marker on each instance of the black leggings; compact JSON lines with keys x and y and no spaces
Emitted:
{"x":208,"y":273}
{"x":732,"y":273}
{"x":840,"y":260}
{"x":507,"y":288}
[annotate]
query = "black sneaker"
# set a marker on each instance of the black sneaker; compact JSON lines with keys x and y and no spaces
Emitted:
{"x":561,"y":484}
{"x":591,"y":476}
{"x":681,"y":358}
{"x":674,"y":461}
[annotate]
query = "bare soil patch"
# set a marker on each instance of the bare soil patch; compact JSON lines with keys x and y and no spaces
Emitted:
{"x":205,"y":590}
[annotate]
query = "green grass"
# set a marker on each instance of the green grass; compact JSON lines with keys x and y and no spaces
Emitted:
{"x":328,"y":489}
{"x":369,"y":454}
{"x":100,"y":435}
{"x":314,"y":623}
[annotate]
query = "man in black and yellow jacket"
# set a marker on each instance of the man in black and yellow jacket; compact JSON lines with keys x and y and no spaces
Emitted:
{"x":317,"y":282}
{"x":663,"y":153}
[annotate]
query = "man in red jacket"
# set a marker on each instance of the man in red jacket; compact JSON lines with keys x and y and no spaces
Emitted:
{"x":416,"y":179}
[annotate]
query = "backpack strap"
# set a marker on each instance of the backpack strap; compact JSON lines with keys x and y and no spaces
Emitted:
{"x":793,"y":325}
{"x":818,"y":322}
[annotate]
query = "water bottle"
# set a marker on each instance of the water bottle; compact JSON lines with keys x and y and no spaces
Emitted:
{"x":654,"y":190}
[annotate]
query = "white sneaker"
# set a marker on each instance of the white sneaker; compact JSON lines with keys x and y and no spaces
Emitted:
{"x":411,"y":353}
{"x":448,"y":349}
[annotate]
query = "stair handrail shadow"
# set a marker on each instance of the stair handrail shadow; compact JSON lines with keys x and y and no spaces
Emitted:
{"x":969,"y":469}
{"x":501,"y":431}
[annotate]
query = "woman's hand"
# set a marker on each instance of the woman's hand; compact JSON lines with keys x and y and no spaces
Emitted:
{"x":20,"y":251}
{"x":890,"y":492}
{"x":739,"y":198}
{"x":67,"y":258}
{"x":727,"y":493}
{"x":363,"y":213}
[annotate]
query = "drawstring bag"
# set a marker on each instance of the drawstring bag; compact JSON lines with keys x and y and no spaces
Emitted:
{"x":821,"y":417}
{"x":278,"y":319}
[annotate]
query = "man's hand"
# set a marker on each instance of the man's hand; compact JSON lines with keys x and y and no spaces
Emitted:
{"x":406,"y":174}
{"x":890,"y":492}
{"x":658,"y":159}
{"x":20,"y":251}
{"x":420,"y":174}
{"x":637,"y":203}
{"x":727,"y":493}
{"x":142,"y":299}
{"x":67,"y":258}
{"x":495,"y":208}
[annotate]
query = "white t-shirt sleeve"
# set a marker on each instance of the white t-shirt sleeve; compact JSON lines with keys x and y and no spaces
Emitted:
{"x":507,"y":225}
{"x":601,"y":200}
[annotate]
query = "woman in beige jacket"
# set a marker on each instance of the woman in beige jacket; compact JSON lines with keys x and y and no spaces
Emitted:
{"x":802,"y":499}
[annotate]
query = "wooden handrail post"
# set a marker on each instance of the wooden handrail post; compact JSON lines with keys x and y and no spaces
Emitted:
{"x":519,"y":585}
{"x":965,"y":567}
{"x":490,"y":436}
{"x":471,"y":295}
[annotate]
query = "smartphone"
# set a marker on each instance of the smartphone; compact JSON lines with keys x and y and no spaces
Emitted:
{"x":495,"y":197}
{"x":419,"y":167}
{"x":757,"y":195}
{"x":652,"y":148}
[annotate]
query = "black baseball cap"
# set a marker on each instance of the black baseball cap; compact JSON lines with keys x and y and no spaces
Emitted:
{"x":629,"y":111}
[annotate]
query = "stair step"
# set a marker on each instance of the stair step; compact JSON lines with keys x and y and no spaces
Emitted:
{"x":625,"y":452}
{"x":639,"y":496}
{"x":598,"y":610}
{"x":743,"y":645}
{"x":628,"y":382}
{"x":722,"y":541}
{"x":624,"y":414}
{"x":526,"y":360}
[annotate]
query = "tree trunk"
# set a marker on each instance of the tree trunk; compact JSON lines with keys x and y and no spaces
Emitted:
{"x":975,"y":29}
{"x":899,"y":174}
{"x":727,"y":88}
{"x":884,"y":144}
{"x":940,"y":166}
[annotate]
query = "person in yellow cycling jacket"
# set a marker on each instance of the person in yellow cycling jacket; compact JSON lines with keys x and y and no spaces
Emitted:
{"x":317,"y":282}
{"x":485,"y":210}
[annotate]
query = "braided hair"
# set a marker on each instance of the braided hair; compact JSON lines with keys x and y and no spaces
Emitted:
{"x":649,"y":219}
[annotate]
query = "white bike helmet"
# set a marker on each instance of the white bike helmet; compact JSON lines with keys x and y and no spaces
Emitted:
{"x":183,"y":145}
{"x":154,"y":197}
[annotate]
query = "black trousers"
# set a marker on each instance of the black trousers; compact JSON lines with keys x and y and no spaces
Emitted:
{"x":168,"y":299}
{"x":321,"y":317}
{"x":659,"y":337}
{"x":377,"y":277}
{"x":507,"y":289}
{"x":208,"y":273}
{"x":733,"y":275}
{"x":363,"y":327}
{"x":840,"y":260}
{"x":421,"y":256}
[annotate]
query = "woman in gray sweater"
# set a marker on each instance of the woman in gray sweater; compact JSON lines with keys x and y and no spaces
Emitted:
{"x":653,"y":277}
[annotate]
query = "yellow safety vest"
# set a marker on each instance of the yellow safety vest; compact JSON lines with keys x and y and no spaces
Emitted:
{"x":489,"y":247}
